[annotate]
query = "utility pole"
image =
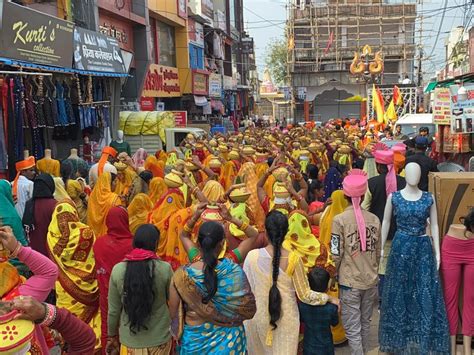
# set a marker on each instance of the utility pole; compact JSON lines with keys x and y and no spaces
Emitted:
{"x":420,"y":72}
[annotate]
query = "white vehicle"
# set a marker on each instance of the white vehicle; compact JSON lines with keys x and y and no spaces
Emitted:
{"x":411,"y":123}
{"x":174,"y":137}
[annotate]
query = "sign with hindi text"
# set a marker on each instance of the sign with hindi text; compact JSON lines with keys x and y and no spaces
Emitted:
{"x":442,"y":106}
{"x":162,"y":81}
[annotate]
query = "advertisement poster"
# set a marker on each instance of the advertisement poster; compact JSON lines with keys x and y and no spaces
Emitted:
{"x":462,"y":108}
{"x":196,"y":33}
{"x":97,"y":52}
{"x":215,"y":85}
{"x":147,"y":104}
{"x":182,"y":8}
{"x":200,"y":83}
{"x":207,"y":9}
{"x":442,"y":106}
{"x":162,"y":81}
{"x":180,"y":118}
{"x":35,"y":37}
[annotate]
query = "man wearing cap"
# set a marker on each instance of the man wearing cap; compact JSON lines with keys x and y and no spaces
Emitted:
{"x":379,"y":188}
{"x":355,"y":249}
{"x":23,"y":183}
{"x":105,"y":163}
{"x":426,"y":164}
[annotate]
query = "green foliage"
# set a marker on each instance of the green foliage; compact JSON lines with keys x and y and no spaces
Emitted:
{"x":276,"y":60}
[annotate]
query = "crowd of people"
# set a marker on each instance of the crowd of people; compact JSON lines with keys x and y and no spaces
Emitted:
{"x":268,"y":241}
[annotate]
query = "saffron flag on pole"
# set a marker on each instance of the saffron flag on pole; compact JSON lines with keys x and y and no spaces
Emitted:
{"x":397,"y":96}
{"x":378,"y":105}
{"x":330,"y":42}
{"x":391,"y":113}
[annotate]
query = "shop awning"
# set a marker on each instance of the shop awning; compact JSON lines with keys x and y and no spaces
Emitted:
{"x":431,"y":86}
{"x":19,"y":63}
{"x":200,"y":100}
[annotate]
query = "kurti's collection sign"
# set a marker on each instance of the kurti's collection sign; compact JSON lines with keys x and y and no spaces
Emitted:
{"x":32,"y":36}
{"x":97,"y":52}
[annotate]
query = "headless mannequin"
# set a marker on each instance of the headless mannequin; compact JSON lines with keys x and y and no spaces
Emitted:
{"x":26,"y":154}
{"x":459,"y":231}
{"x":48,"y":165}
{"x":73,"y":154}
{"x":47,"y":154}
{"x":120,"y":145}
{"x":411,"y":192}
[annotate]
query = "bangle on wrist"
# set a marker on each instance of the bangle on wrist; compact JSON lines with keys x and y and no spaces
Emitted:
{"x":51,"y":314}
{"x":15,"y":251}
{"x":244,"y":226}
{"x":187,"y":228}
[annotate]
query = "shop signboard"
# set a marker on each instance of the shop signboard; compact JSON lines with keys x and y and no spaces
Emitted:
{"x":162,"y":81}
{"x":200,"y":83}
{"x":247,"y":45}
{"x":229,"y":83}
{"x":207,"y":9}
{"x":462,"y":108}
{"x":117,"y":28}
{"x":32,"y":36}
{"x":147,"y":104}
{"x":97,"y":52}
{"x":180,"y":118}
{"x":196,"y":33}
{"x":442,"y":106}
{"x":182,"y":8}
{"x":215,"y":85}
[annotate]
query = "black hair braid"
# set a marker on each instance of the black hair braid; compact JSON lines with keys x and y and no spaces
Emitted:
{"x":276,"y":225}
{"x":210,"y":234}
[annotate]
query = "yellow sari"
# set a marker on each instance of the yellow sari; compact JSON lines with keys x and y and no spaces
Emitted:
{"x":60,"y":193}
{"x":249,"y":177}
{"x":213,"y":191}
{"x":76,"y":191}
{"x":101,"y":201}
{"x":156,"y":166}
{"x":125,"y":181}
{"x":339,"y":204}
{"x":138,"y":211}
{"x":70,"y":246}
{"x":157,"y":189}
{"x":228,"y":174}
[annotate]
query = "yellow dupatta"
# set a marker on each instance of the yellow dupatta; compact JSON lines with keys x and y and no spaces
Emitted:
{"x":70,"y":246}
{"x":302,"y":241}
{"x":261,"y":168}
{"x":339,"y":204}
{"x":213,"y":191}
{"x":228,"y":174}
{"x":249,"y":177}
{"x":157,"y":189}
{"x":101,"y":201}
{"x":239,"y":211}
{"x":60,"y":193}
{"x":138,"y":211}
{"x":125,"y":180}
{"x":75,"y":190}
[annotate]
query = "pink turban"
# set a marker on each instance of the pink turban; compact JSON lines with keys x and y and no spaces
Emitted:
{"x":399,"y":148}
{"x":386,"y":157}
{"x":355,"y":186}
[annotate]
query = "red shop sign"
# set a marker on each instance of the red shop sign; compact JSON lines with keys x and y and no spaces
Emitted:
{"x":147,"y":104}
{"x":180,"y":118}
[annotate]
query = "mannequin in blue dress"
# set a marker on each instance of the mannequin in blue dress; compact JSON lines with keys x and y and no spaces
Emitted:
{"x":413,"y":314}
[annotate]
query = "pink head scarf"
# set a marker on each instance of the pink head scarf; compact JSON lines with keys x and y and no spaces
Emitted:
{"x":355,"y":186}
{"x":386,"y":157}
{"x":139,"y":158}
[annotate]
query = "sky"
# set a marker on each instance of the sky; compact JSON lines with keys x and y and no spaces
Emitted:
{"x":265,"y":20}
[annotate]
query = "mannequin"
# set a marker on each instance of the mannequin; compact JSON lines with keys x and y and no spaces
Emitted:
{"x":120,"y":145}
{"x":457,"y":271}
{"x":87,"y":150}
{"x":412,"y":295}
{"x":48,"y":165}
{"x":79,"y":168}
{"x":73,"y":154}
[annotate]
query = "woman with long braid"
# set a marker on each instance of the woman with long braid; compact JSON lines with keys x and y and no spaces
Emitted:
{"x":275,"y":327}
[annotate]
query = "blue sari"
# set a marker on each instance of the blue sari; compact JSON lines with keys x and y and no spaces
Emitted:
{"x":332,"y":182}
{"x":222,"y":331}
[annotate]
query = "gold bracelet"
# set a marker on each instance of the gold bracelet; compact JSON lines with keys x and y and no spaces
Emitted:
{"x":244,"y":226}
{"x":187,"y":228}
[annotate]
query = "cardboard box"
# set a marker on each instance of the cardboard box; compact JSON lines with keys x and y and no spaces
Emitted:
{"x":454,"y":194}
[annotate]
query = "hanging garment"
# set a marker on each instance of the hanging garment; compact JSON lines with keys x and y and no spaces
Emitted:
{"x":68,"y":104}
{"x":38,"y":101}
{"x":17,"y":117}
{"x":62,"y":116}
{"x":29,"y":105}
{"x":3,"y":145}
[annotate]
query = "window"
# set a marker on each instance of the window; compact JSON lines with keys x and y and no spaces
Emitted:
{"x":166,"y":44}
{"x":196,"y":57}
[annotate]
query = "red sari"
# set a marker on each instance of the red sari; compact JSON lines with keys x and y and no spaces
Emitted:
{"x":108,"y":251}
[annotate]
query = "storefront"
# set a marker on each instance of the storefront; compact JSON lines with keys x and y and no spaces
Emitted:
{"x":48,"y":103}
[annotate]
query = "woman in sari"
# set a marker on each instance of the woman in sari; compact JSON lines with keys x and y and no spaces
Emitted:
{"x":139,"y":158}
{"x":157,"y":189}
{"x":249,"y":177}
{"x":216,"y":298}
{"x":333,"y":179}
{"x":39,"y":211}
{"x":338,"y":205}
{"x":101,"y":201}
{"x":138,"y":211}
{"x":274,"y":275}
{"x":70,"y":247}
{"x":77,"y":194}
{"x":138,"y":316}
{"x":39,"y":285}
{"x":109,"y":250}
{"x":8,"y":214}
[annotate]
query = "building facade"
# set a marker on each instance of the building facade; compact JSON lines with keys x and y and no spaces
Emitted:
{"x":323,"y":37}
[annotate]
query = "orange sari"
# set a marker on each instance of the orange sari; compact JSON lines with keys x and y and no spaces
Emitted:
{"x":248,"y":176}
{"x":102,"y":199}
{"x":156,"y":166}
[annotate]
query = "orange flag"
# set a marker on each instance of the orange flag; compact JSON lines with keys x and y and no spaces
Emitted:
{"x":397,"y":96}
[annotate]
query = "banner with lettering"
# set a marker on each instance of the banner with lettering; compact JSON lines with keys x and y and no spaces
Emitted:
{"x":35,"y":37}
{"x":97,"y":52}
{"x":162,"y":81}
{"x":462,"y":108}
